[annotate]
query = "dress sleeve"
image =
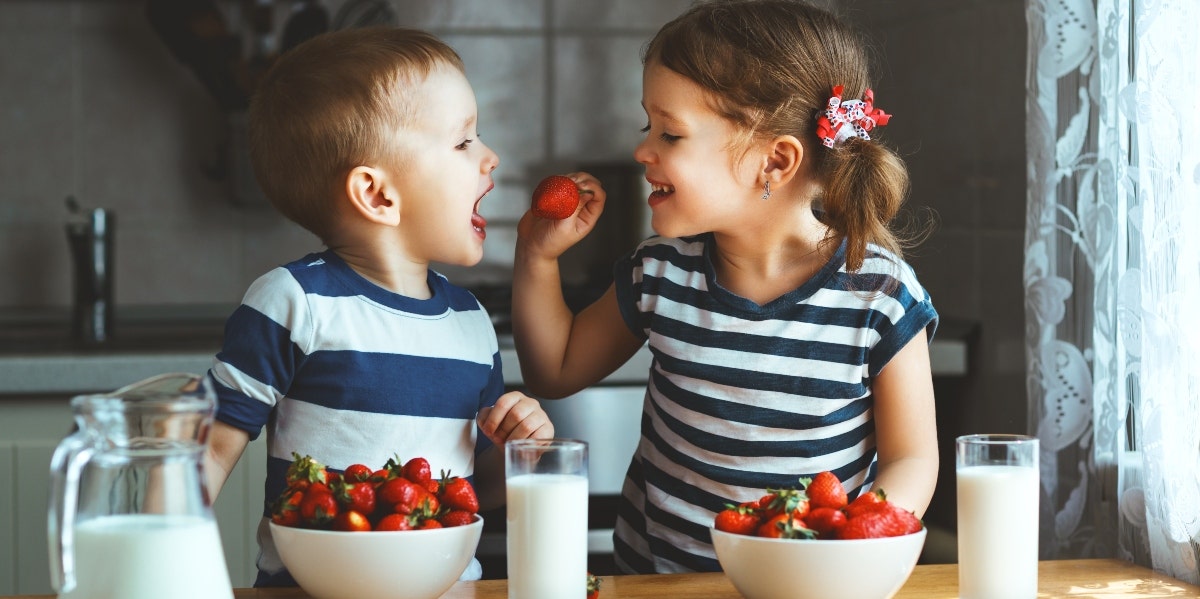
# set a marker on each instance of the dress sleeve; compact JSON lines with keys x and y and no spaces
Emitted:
{"x":908,"y":312}
{"x":627,"y":280}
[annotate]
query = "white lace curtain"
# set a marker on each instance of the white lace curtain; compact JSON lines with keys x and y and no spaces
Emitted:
{"x":1112,"y":278}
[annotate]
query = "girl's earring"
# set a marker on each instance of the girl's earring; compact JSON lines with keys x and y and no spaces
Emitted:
{"x":766,"y":190}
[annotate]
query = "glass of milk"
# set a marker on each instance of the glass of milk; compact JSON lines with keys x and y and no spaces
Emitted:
{"x":997,"y":479}
{"x":547,"y":490}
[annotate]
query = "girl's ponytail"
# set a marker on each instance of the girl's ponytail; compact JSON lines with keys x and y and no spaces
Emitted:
{"x":865,"y":184}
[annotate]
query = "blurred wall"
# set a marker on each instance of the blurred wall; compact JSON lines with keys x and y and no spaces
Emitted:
{"x":93,"y":105}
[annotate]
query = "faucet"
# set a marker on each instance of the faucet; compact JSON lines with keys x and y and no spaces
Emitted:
{"x":90,"y":234}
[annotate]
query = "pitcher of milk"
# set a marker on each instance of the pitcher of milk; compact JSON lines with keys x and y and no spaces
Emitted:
{"x":130,"y":515}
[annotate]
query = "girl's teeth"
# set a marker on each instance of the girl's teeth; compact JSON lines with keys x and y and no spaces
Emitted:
{"x":662,"y":188}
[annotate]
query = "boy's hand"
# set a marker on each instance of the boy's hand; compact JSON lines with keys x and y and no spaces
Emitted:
{"x":550,"y":238}
{"x":515,"y":416}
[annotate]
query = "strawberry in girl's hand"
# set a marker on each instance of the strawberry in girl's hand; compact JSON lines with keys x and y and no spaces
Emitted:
{"x":555,"y":198}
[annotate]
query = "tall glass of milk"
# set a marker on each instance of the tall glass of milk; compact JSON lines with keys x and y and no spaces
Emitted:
{"x":997,"y":480}
{"x":547,"y":490}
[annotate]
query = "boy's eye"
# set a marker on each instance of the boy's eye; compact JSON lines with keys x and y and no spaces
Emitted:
{"x":464,"y":144}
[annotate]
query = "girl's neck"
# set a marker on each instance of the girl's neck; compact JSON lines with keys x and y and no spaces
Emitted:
{"x":764,"y":264}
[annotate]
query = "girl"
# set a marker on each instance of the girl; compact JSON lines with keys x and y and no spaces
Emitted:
{"x":789,"y":337}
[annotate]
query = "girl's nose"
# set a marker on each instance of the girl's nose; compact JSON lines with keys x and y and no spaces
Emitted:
{"x":641,"y":153}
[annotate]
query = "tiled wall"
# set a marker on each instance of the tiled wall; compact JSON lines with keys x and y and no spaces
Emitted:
{"x":92,"y":105}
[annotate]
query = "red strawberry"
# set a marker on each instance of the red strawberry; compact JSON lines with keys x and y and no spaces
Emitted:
{"x":417,"y":470}
{"x":286,"y":509}
{"x":865,"y":502}
{"x":429,"y":523}
{"x":356,"y":496}
{"x":740,"y":520}
{"x":356,"y":473}
{"x":825,"y":490}
{"x":351,"y":521}
{"x":304,"y":471}
{"x":885,"y":520}
{"x":458,"y":494}
{"x":785,"y":526}
{"x":778,"y":501}
{"x":394,"y":522}
{"x":456,"y":518}
{"x":402,"y":494}
{"x":318,"y":508}
{"x":593,"y":586}
{"x":826,"y":521}
{"x":556,"y":197}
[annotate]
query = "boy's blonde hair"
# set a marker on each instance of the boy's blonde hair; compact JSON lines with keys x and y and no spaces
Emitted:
{"x":769,"y":67}
{"x":333,"y":103}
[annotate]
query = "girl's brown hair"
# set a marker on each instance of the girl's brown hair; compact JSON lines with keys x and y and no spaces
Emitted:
{"x":335,"y":102}
{"x":770,"y":67}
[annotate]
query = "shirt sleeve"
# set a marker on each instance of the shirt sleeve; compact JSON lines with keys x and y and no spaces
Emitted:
{"x":262,"y":350}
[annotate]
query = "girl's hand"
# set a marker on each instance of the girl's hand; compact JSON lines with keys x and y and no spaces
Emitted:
{"x":550,"y":238}
{"x":515,"y":416}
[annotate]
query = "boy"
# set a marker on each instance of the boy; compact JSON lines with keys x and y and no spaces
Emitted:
{"x":359,"y":353}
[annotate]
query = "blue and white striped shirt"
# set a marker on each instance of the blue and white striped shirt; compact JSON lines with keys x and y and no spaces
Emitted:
{"x":343,"y":370}
{"x":743,"y":397}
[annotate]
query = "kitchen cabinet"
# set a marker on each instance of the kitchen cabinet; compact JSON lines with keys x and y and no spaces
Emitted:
{"x":30,"y":429}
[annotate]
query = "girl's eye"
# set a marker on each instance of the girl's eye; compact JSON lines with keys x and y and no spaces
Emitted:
{"x":464,"y":144}
{"x":667,"y":137}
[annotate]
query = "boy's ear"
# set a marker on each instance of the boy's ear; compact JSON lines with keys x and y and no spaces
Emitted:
{"x":369,"y":193}
{"x":783,"y":160}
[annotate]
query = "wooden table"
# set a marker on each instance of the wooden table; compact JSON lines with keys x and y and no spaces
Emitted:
{"x":1096,"y":579}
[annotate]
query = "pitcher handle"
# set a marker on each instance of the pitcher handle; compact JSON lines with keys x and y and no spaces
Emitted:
{"x":65,"y":467}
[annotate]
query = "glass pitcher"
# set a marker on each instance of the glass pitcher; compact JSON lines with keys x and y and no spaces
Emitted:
{"x":130,"y":515}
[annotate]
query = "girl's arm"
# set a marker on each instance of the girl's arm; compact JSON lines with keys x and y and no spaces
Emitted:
{"x":906,"y":428}
{"x":560,"y":352}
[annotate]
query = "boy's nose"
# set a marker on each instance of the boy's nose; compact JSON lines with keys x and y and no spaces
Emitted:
{"x":491,"y":161}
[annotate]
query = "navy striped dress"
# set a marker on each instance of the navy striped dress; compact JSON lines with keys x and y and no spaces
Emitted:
{"x":743,"y":397}
{"x":343,"y":370}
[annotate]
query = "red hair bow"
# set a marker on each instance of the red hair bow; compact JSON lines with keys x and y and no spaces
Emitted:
{"x":842,"y":120}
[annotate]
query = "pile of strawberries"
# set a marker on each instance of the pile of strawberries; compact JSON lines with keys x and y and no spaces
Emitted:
{"x":819,"y":510}
{"x":394,"y":497}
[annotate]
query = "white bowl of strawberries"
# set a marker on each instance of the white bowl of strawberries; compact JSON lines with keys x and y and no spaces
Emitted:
{"x":375,"y":534}
{"x":810,"y":543}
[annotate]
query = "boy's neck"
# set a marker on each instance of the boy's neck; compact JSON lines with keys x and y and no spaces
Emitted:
{"x":389,"y":271}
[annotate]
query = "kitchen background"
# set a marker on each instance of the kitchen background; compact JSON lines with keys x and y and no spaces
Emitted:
{"x":93,"y":105}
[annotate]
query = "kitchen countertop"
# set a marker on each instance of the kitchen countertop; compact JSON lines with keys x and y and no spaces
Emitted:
{"x":39,"y":357}
{"x":1067,"y":578}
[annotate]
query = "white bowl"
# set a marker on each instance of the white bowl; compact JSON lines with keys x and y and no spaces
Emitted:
{"x":762,"y":568}
{"x":415,"y":564}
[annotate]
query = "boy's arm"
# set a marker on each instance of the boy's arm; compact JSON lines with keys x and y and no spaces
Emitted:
{"x":514,"y":416}
{"x":906,"y":427}
{"x":225,"y":446}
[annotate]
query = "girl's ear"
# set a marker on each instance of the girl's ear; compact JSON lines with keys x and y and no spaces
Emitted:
{"x":371,"y":196}
{"x":783,"y":160}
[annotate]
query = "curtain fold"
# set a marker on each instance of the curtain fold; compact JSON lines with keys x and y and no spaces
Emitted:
{"x":1112,"y":278}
